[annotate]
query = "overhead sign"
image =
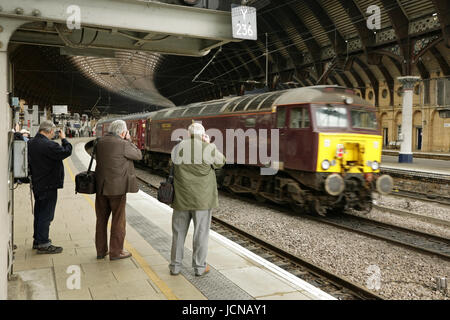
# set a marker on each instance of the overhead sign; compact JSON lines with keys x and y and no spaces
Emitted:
{"x":95,"y":112}
{"x":59,"y":109}
{"x":244,"y":22}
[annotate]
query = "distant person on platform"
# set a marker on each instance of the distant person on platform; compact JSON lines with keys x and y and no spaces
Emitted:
{"x":25,"y":135}
{"x":115,"y":177}
{"x":195,"y":196}
{"x":47,"y":176}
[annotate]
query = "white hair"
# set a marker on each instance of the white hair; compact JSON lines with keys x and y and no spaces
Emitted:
{"x":196,"y":129}
{"x":47,"y":126}
{"x":118,"y":127}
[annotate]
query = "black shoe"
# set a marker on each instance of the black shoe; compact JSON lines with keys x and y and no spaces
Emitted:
{"x":102,"y":256}
{"x":51,"y":249}
{"x":35,"y":245}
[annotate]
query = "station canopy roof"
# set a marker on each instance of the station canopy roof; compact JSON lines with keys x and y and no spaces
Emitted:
{"x":309,"y":42}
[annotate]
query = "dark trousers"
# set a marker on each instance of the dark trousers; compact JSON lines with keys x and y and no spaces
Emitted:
{"x":44,"y":212}
{"x":104,"y":206}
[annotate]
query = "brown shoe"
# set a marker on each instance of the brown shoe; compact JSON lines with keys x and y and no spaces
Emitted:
{"x":123,"y":255}
{"x":207,"y":269}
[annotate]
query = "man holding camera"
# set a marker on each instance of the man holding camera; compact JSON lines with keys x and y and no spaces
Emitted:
{"x":195,"y":162}
{"x":115,"y":177}
{"x":45,"y":158}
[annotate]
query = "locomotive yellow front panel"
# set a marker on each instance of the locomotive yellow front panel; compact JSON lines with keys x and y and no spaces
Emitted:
{"x":349,"y":153}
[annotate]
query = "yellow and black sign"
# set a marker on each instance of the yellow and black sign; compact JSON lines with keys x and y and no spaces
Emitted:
{"x":166,"y":126}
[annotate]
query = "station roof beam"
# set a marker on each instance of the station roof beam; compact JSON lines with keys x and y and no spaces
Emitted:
{"x":149,"y":26}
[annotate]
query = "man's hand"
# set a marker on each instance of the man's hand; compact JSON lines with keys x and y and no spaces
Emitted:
{"x":62,"y":135}
{"x":128,"y":137}
{"x":206,"y":138}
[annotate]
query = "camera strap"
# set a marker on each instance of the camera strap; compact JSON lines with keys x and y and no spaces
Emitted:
{"x":94,"y":150}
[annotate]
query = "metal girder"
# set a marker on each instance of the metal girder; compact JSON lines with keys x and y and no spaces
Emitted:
{"x":110,"y":41}
{"x":389,"y":81}
{"x":397,"y":64}
{"x":253,"y":57}
{"x":360,"y":82}
{"x":202,"y":29}
{"x":246,"y":60}
{"x":373,"y":80}
{"x":328,"y":25}
{"x":400,"y":23}
{"x":424,"y":73}
{"x":276,"y":51}
{"x":441,"y":60}
{"x":334,"y":79}
{"x":346,"y":80}
{"x":232,"y":66}
{"x":443,"y":11}
{"x":294,"y":54}
{"x":367,"y":37}
{"x":307,"y":37}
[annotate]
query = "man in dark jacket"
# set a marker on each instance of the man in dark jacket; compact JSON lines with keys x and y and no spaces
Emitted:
{"x":115,"y":177}
{"x":47,"y":176}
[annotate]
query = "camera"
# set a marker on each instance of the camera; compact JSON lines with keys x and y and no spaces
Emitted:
{"x":57,"y":133}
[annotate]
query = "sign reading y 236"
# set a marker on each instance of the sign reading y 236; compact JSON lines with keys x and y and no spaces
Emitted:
{"x":244,"y":23}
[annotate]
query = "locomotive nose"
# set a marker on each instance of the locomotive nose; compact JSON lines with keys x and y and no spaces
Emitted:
{"x":385,"y":184}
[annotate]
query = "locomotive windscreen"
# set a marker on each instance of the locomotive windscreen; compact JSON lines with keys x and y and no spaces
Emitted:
{"x":341,"y":116}
{"x":331,"y":117}
{"x":363,"y":119}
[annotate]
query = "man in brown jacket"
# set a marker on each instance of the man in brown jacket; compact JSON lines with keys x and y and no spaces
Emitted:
{"x":115,"y":177}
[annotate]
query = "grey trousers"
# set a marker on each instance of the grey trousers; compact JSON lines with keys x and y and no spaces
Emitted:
{"x":180,"y":226}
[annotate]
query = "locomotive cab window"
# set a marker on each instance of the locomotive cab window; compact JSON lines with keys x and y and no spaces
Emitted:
{"x":299,"y":118}
{"x":331,"y":117}
{"x":364,"y":119}
{"x":281,"y":117}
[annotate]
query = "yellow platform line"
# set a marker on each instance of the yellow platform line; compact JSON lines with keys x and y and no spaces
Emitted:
{"x":139,"y":259}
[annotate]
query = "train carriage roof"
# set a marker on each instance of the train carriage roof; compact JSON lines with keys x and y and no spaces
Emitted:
{"x":254,"y":103}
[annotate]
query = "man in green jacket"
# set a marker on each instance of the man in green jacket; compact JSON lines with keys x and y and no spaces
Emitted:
{"x":195,"y":160}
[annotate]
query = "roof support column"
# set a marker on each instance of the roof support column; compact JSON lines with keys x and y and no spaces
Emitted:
{"x":7,"y":27}
{"x":406,"y":155}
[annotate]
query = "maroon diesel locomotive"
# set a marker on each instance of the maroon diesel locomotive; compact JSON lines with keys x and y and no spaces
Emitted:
{"x":328,"y":142}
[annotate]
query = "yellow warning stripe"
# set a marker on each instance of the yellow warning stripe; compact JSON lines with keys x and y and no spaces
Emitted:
{"x":139,"y":259}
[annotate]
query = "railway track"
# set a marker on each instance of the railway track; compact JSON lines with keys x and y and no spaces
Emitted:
{"x":337,"y":286}
{"x":404,"y":213}
{"x":426,"y":186}
{"x":327,"y":281}
{"x":421,"y":196}
{"x":411,"y":239}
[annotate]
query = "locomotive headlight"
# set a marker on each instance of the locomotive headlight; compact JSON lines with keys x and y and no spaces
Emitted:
{"x":349,"y":100}
{"x":326,"y":165}
{"x":375,"y":166}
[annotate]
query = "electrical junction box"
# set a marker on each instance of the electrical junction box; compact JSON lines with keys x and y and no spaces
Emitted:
{"x":20,"y":156}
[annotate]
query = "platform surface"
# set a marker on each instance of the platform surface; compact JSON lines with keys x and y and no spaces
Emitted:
{"x":236,"y":273}
{"x":418,"y":165}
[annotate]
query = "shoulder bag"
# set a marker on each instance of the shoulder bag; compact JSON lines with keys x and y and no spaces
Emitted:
{"x":166,"y":190}
{"x":85,"y":181}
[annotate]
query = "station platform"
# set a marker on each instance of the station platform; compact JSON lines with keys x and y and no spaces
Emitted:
{"x":419,"y":165}
{"x":236,"y":274}
{"x":420,"y":154}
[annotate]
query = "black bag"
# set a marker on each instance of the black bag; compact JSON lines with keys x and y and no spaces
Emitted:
{"x":166,"y":190}
{"x":85,"y":181}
